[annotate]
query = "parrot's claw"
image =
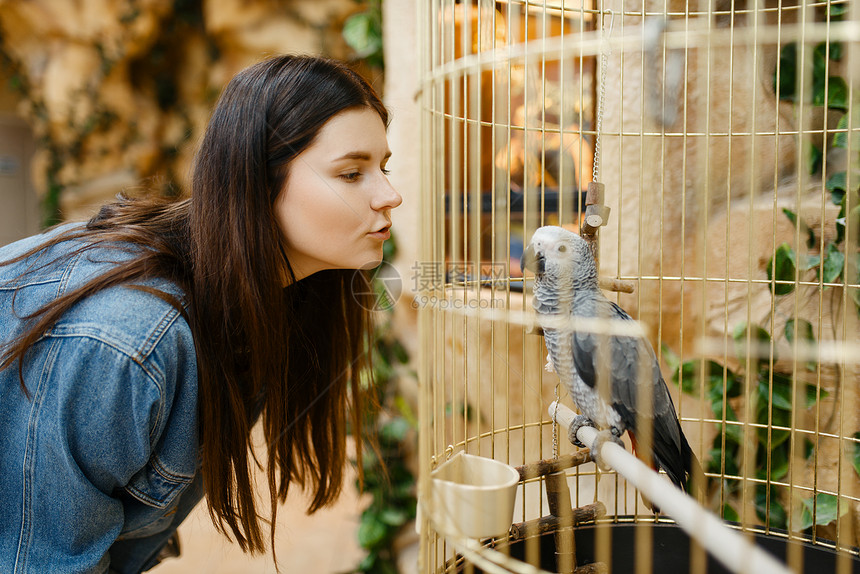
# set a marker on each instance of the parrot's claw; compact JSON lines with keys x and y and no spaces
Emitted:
{"x":549,"y":367}
{"x":602,"y":437}
{"x":578,"y":422}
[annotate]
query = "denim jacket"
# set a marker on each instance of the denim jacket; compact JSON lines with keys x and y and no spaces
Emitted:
{"x":98,"y":463}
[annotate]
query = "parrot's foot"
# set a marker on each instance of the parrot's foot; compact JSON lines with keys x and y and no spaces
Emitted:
{"x":549,"y":367}
{"x":578,"y":422}
{"x":602,"y":437}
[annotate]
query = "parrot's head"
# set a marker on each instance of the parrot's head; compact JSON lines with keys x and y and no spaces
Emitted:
{"x":556,"y":253}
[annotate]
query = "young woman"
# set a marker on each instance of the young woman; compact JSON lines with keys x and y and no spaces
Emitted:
{"x":138,"y":350}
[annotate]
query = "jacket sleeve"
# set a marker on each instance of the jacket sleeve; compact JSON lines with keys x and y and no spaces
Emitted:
{"x":97,"y":412}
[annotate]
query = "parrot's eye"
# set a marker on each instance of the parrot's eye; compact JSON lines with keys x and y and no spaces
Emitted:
{"x":562,"y":248}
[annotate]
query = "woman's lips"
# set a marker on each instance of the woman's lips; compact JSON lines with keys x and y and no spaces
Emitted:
{"x":382,"y":234}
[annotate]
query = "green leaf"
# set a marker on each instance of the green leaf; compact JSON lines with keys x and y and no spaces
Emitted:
{"x":779,"y":462}
{"x":689,"y":380}
{"x":813,"y":158}
{"x":819,"y":59}
{"x":805,"y":335}
{"x":813,"y":394}
{"x":781,"y":267}
{"x":826,"y":508}
{"x":785,"y":75}
{"x":776,"y":417}
{"x":780,"y":398}
{"x":808,"y":448}
{"x":819,"y":74}
{"x":838,"y":9}
{"x":733,"y":385}
{"x":833,"y":87}
{"x":856,"y":459}
{"x":714,"y":375}
{"x":363,"y":33}
{"x":715,"y":395}
{"x":836,"y":51}
{"x":670,"y":357}
{"x":759,"y":343}
{"x":836,"y":184}
{"x":792,"y":216}
{"x":394,"y":516}
{"x":837,"y":196}
{"x":368,"y":562}
{"x":399,"y":351}
{"x":404,"y":489}
{"x":834,"y":261}
{"x":371,"y":531}
{"x":840,"y":139}
{"x":730,"y":513}
{"x":773,"y":510}
{"x":395,"y":430}
{"x":717,"y":408}
{"x":810,"y":262}
{"x":389,"y":248}
{"x":805,"y":520}
{"x":734,"y":433}
{"x":837,"y":94}
{"x":804,"y":330}
{"x":810,"y":234}
{"x":715,"y":455}
{"x":405,"y":410}
{"x":374,"y":563}
{"x":842,"y":221}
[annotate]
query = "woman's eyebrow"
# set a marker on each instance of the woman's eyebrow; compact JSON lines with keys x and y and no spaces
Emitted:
{"x":360,"y":155}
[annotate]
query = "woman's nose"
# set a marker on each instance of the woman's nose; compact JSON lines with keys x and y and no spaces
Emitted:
{"x":386,"y":197}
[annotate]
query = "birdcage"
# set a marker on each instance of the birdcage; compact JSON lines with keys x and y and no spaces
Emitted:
{"x":710,"y":154}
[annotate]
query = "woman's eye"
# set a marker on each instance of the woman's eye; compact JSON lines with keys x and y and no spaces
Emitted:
{"x":352,"y":176}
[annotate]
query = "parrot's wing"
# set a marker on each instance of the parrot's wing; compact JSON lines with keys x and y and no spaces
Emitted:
{"x":670,"y":448}
{"x":629,"y":360}
{"x":621,"y":362}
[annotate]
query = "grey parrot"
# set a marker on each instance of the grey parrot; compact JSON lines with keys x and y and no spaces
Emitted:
{"x":566,"y":287}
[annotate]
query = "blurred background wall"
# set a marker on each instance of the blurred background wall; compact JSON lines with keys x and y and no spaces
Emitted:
{"x":109,"y":94}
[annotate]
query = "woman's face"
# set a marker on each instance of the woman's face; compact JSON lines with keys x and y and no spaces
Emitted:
{"x":335,"y":208}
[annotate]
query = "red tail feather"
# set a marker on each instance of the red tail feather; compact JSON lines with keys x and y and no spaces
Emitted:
{"x":641,"y":456}
{"x":650,"y":463}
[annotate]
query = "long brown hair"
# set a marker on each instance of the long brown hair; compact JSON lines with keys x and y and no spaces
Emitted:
{"x":295,"y":355}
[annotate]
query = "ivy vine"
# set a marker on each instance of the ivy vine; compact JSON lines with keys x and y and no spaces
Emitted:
{"x":387,"y":477}
{"x":363,"y":33}
{"x":772,"y":402}
{"x":157,"y":66}
{"x":830,"y":91}
{"x":773,"y":397}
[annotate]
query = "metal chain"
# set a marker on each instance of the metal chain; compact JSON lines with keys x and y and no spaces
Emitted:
{"x":555,"y":425}
{"x":605,"y":51}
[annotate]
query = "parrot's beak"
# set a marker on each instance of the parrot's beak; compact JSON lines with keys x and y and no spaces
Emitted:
{"x":532,"y":261}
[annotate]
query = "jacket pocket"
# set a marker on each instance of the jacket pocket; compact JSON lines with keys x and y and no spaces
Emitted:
{"x":143,"y":521}
{"x":155,"y":486}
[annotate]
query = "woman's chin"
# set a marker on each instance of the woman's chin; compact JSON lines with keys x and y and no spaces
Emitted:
{"x":372,"y":264}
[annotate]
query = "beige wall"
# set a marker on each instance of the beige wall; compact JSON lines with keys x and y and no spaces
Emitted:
{"x":19,"y":207}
